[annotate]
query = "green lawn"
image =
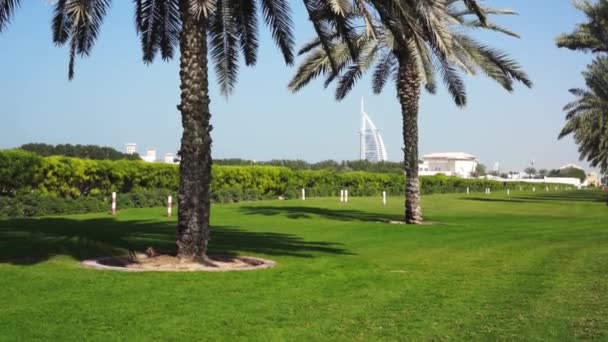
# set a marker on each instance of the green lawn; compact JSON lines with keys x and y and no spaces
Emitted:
{"x":526,"y":267}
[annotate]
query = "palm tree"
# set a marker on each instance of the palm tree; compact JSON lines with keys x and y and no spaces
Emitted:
{"x":224,"y":29}
{"x":409,"y":44}
{"x":587,"y":116}
{"x":590,"y":36}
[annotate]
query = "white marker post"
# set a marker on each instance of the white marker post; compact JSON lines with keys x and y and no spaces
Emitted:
{"x":341,"y":196}
{"x":303,"y":194}
{"x":467,"y":190}
{"x":508,"y":192}
{"x":384,"y":197}
{"x":345,"y":196}
{"x":546,"y":188}
{"x":113,"y":203}
{"x":169,"y":206}
{"x":533,"y":189}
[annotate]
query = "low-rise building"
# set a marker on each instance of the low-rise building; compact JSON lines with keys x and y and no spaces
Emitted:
{"x":457,"y":164}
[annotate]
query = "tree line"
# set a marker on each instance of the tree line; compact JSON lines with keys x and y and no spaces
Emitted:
{"x":78,"y":151}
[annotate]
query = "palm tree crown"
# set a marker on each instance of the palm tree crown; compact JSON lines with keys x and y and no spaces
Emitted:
{"x":380,"y":51}
{"x":232,"y":27}
{"x":590,"y":36}
{"x":587,"y":116}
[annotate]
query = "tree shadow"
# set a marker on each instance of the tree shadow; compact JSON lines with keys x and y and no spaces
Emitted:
{"x":501,"y":200}
{"x":583,"y":196}
{"x":31,"y":241}
{"x":300,"y":212}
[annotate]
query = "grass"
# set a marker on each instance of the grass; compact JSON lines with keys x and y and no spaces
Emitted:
{"x":526,"y":267}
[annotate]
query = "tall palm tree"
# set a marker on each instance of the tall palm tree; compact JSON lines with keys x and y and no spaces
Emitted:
{"x":587,"y":116}
{"x":224,"y":29}
{"x":409,"y":43}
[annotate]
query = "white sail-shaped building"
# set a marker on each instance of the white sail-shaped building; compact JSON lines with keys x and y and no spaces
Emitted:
{"x":371,"y":143}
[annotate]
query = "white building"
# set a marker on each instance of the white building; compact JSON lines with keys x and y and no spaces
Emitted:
{"x":130,"y":148}
{"x":150,"y":156}
{"x":170,"y":158}
{"x":458,"y":164}
{"x":371,"y":142}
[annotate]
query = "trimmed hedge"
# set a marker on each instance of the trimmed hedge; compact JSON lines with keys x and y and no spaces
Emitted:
{"x":39,"y":204}
{"x":31,"y":185}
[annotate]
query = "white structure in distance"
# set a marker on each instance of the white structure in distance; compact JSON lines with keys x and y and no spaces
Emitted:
{"x":130,"y":148}
{"x":458,"y":164}
{"x":150,"y":156}
{"x":371,"y":143}
{"x":170,"y":159}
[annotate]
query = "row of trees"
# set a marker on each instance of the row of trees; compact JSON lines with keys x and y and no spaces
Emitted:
{"x":407,"y":41}
{"x":78,"y":151}
{"x":587,"y":115}
{"x":343,"y":166}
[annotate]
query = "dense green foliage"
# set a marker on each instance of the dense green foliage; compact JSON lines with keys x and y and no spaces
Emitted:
{"x":78,"y":151}
{"x":61,"y":182}
{"x":35,"y":203}
{"x":532,"y":267}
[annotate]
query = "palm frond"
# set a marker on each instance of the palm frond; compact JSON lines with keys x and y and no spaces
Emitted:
{"x":7,"y":11}
{"x":277,"y":16}
{"x":245,"y":13}
{"x":223,"y":43}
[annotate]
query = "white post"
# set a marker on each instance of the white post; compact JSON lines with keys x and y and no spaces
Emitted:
{"x":508,"y":192}
{"x":384,"y":197}
{"x":303,"y":194}
{"x":345,"y":196}
{"x":113,"y":203}
{"x":520,"y":188}
{"x":169,"y":206}
{"x":533,"y":189}
{"x":467,"y":190}
{"x":341,"y":196}
{"x":546,"y":188}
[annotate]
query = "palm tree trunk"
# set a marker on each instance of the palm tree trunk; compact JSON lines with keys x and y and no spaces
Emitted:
{"x":409,"y":96}
{"x":195,"y":151}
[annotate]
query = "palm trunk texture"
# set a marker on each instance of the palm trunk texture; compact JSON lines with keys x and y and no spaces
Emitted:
{"x":195,"y":152}
{"x":409,"y":97}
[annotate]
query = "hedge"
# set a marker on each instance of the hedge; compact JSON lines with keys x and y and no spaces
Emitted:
{"x":72,"y":185}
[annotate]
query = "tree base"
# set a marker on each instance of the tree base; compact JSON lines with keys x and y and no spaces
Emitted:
{"x":168,"y":263}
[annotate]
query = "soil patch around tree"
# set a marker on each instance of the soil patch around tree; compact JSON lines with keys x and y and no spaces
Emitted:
{"x":141,"y":262}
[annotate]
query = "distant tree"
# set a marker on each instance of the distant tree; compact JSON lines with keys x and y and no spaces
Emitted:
{"x":494,"y":173}
{"x":543,"y":172}
{"x":480,"y":170}
{"x":573,"y":172}
{"x":504,"y":175}
{"x":78,"y":151}
{"x":530,"y":171}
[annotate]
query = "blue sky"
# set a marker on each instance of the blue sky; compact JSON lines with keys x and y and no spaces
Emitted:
{"x":115,"y":98}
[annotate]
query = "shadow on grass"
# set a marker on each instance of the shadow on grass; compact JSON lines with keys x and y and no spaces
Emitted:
{"x":299,"y":212}
{"x":30,"y":241}
{"x":583,"y":196}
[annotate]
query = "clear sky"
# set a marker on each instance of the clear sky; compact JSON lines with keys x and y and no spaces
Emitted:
{"x":115,"y":98}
